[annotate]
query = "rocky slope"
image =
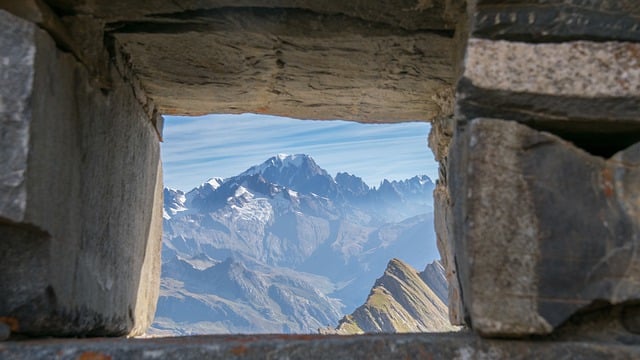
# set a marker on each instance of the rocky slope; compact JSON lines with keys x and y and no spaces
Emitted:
{"x":284,"y":247}
{"x":402,"y":300}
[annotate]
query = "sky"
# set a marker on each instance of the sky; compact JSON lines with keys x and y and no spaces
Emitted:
{"x":196,"y":149}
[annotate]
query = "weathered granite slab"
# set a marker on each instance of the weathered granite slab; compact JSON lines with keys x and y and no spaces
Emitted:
{"x":16,"y":74}
{"x":587,"y":92}
{"x":542,"y":229}
{"x":290,"y":62}
{"x":580,"y":69}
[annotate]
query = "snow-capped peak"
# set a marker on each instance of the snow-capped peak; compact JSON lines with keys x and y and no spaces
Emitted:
{"x":279,"y":161}
{"x":214,"y":182}
{"x":174,"y":202}
{"x":424,"y":179}
{"x":241,"y":190}
{"x":291,"y":160}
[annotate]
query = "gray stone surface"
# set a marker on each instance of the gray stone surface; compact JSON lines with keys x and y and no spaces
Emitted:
{"x":5,"y":331}
{"x":542,"y":229}
{"x":572,"y":69}
{"x":407,"y":346}
{"x":148,"y":287}
{"x":16,"y":74}
{"x":586,"y":92}
{"x":554,"y":21}
{"x":75,"y":260}
{"x":37,"y":12}
{"x":631,"y":319}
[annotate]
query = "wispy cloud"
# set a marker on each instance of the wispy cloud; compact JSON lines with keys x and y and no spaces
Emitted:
{"x":199,"y":148}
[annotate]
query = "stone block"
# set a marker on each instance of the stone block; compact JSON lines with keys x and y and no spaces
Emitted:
{"x":80,"y":208}
{"x":580,"y":69}
{"x":37,"y":11}
{"x":542,"y":229}
{"x":17,"y":79}
{"x":292,"y":62}
{"x":587,"y":92}
{"x":554,"y":21}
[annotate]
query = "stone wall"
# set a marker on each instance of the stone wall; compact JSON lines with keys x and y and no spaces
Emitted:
{"x":538,"y":201}
{"x":80,"y":205}
{"x":539,"y":193}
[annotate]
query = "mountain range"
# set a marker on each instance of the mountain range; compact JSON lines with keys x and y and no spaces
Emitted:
{"x":284,"y":247}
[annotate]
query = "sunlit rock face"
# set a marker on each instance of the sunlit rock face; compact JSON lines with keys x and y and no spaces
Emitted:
{"x":402,"y":300}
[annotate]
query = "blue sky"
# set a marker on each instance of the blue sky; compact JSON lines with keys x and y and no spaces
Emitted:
{"x":198,"y":148}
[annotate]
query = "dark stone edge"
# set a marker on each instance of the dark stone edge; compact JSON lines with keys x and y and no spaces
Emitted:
{"x":602,"y":126}
{"x":390,"y":346}
{"x":554,"y":23}
{"x":218,"y":20}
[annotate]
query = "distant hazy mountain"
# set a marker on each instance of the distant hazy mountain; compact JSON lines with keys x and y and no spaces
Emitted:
{"x":284,"y":246}
{"x":402,"y":300}
{"x":201,"y":295}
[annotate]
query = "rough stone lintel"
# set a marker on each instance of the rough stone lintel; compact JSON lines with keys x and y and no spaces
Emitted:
{"x":290,"y":62}
{"x":542,"y":229}
{"x":312,"y":347}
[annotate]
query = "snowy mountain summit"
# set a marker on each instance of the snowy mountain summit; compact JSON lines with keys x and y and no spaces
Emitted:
{"x":297,"y":172}
{"x":280,"y":162}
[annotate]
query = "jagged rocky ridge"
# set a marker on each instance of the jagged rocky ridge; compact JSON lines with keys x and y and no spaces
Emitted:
{"x":402,"y":300}
{"x":284,"y":247}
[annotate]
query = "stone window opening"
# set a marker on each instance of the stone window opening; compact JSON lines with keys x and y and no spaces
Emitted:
{"x":410,"y":217}
{"x":520,"y":213}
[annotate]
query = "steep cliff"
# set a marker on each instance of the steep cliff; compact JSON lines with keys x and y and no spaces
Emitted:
{"x":401,"y":301}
